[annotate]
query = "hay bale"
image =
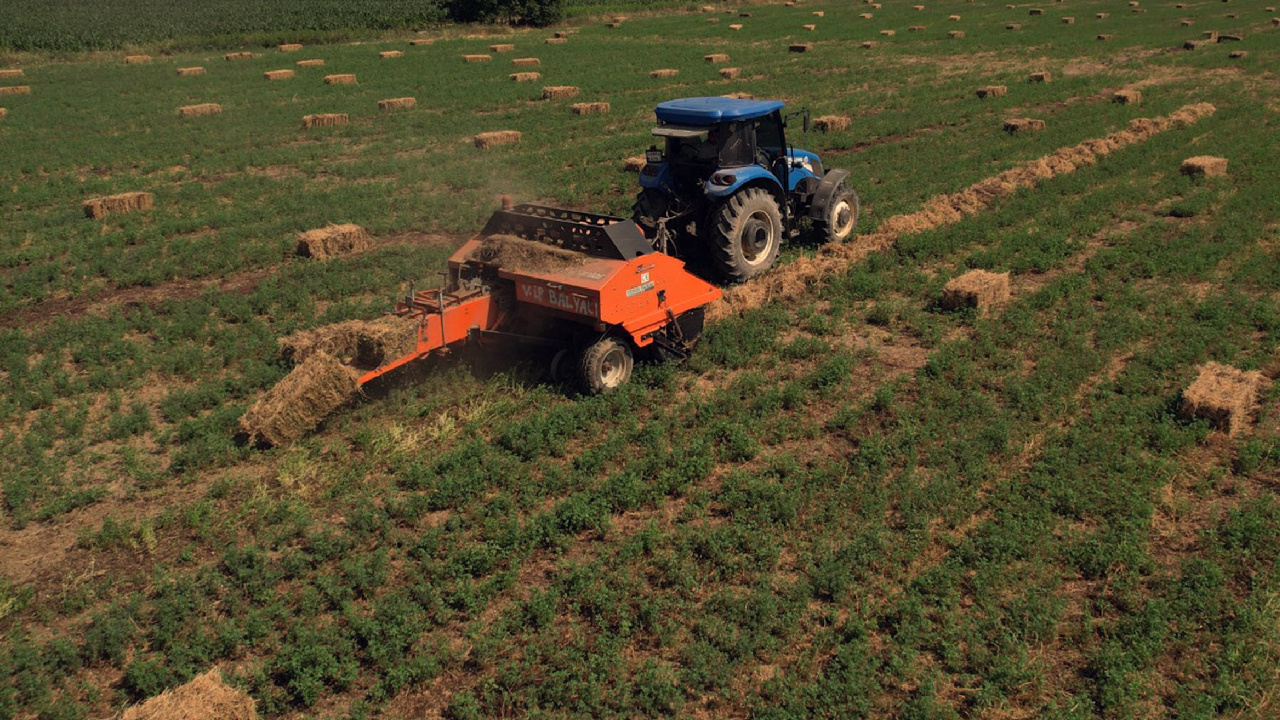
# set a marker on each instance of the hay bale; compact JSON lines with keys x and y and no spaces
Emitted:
{"x":956,"y":34}
{"x":477,"y":58}
{"x":419,"y":42}
{"x":866,"y":16}
{"x":332,"y":241}
{"x":525,"y":76}
{"x":239,"y":56}
{"x":1103,"y":16}
{"x":870,"y":44}
{"x":278,"y":74}
{"x":4,"y":112}
{"x":200,"y":109}
{"x":1105,"y":37}
{"x":1068,"y":21}
{"x":1224,"y":396}
{"x":916,"y":28}
{"x":1205,"y":165}
{"x":502,"y":48}
{"x":363,"y":344}
{"x":954,"y":18}
{"x":556,"y":41}
{"x":1040,"y":77}
{"x":205,"y":697}
{"x":1210,"y":35}
{"x":713,"y":20}
{"x":397,"y":103}
{"x":888,"y":33}
{"x":563,"y":34}
{"x":832,"y":123}
{"x":1238,"y":54}
{"x":918,"y":7}
{"x":324,"y":120}
{"x":735,"y":26}
{"x":818,"y":13}
{"x":744,"y":15}
{"x":716,"y":58}
{"x":590,"y":108}
{"x":708,"y":8}
{"x":190,"y":71}
{"x":1275,"y":22}
{"x":515,"y":253}
{"x":391,"y":54}
{"x":664,"y":73}
{"x":137,"y":59}
{"x":526,"y":62}
{"x":1195,"y":44}
{"x":1133,"y":3}
{"x":739,"y":96}
{"x":1127,"y":97}
{"x":298,"y":403}
{"x":1185,"y":23}
{"x":1036,"y":11}
{"x":613,"y":25}
{"x":340,"y":79}
{"x":120,"y":204}
{"x":290,"y":47}
{"x":486,"y":140}
{"x":992,"y":91}
{"x":810,"y":28}
{"x":316,"y":62}
{"x":977,"y":289}
{"x":1016,"y":125}
{"x":634,"y":163}
{"x":730,"y":73}
{"x":1013,"y":26}
{"x":15,"y":90}
{"x":10,"y":74}
{"x":800,"y":47}
{"x":559,"y":92}
{"x":1230,"y":38}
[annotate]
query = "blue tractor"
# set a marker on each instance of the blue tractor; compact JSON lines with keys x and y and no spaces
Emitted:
{"x":726,"y":189}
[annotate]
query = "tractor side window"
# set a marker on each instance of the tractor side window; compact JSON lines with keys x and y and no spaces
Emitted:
{"x":739,"y":144}
{"x":769,"y":134}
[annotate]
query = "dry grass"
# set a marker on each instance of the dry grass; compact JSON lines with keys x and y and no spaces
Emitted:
{"x":118,"y":204}
{"x":15,"y":90}
{"x":525,"y":77}
{"x":314,"y":62}
{"x":992,"y":91}
{"x":832,"y":123}
{"x":298,"y":403}
{"x":206,"y":697}
{"x":486,"y":140}
{"x":324,"y":120}
{"x":1224,"y":396}
{"x":1205,"y":165}
{"x":340,"y":79}
{"x":333,"y":241}
{"x":200,"y":109}
{"x":976,"y":289}
{"x":591,"y":108}
{"x":1016,"y":125}
{"x":397,"y":103}
{"x":278,"y":74}
{"x":190,"y":71}
{"x":559,"y":92}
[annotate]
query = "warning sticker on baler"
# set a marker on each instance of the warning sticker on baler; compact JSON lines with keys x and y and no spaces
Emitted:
{"x":639,"y":289}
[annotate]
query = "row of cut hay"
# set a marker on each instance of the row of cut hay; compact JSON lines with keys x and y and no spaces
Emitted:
{"x":796,"y":277}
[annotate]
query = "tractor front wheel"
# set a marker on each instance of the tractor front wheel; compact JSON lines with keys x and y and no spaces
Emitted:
{"x":746,"y":235}
{"x":839,"y":216}
{"x":605,"y":365}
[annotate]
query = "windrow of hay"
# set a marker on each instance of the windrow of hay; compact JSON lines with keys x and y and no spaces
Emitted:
{"x":201,"y":109}
{"x":798,"y":276}
{"x":397,"y":103}
{"x":516,"y":253}
{"x":324,"y":120}
{"x":992,"y":91}
{"x":278,"y":74}
{"x":832,"y":123}
{"x":340,"y":79}
{"x":525,"y":77}
{"x":332,"y":241}
{"x":486,"y":140}
{"x":1224,"y":396}
{"x":664,"y":73}
{"x":300,"y":401}
{"x":191,"y":71}
{"x":117,"y":204}
{"x":363,"y":343}
{"x":559,"y":92}
{"x":591,"y":108}
{"x":314,"y":62}
{"x":976,"y":289}
{"x":137,"y":59}
{"x":205,"y":697}
{"x":11,"y":73}
{"x":1015,"y":125}
{"x":15,"y":90}
{"x":1205,"y":165}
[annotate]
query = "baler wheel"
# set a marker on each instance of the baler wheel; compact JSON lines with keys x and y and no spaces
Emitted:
{"x":747,"y":235}
{"x":605,"y":365}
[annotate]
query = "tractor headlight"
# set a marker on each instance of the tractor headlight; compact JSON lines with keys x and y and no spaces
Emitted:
{"x":725,"y":179}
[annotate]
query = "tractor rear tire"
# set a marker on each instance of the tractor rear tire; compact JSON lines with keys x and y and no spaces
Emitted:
{"x":605,"y":366}
{"x":747,"y":235}
{"x":839,"y":217}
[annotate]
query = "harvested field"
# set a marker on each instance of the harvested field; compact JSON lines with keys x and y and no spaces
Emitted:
{"x":119,"y":204}
{"x":486,"y":140}
{"x":832,"y":123}
{"x":340,"y":79}
{"x":15,"y":90}
{"x":590,"y":108}
{"x":200,"y":109}
{"x":515,"y":253}
{"x":363,"y":344}
{"x":397,"y":103}
{"x":324,"y":120}
{"x":391,"y":54}
{"x":664,"y":73}
{"x":559,"y":92}
{"x":526,"y":62}
{"x":290,"y":47}
{"x":1016,"y":125}
{"x":333,"y":241}
{"x":477,"y":58}
{"x":1204,"y":165}
{"x":190,"y":71}
{"x":976,"y":289}
{"x":299,"y":402}
{"x":1225,"y":396}
{"x":502,"y":48}
{"x":992,"y":91}
{"x":314,"y":62}
{"x":1127,"y":97}
{"x":239,"y":56}
{"x":715,"y":58}
{"x":137,"y":59}
{"x":730,"y":73}
{"x":278,"y":74}
{"x":521,"y":77}
{"x":205,"y":697}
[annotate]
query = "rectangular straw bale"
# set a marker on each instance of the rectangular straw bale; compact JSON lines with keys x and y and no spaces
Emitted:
{"x":954,"y":18}
{"x":239,"y":56}
{"x":332,"y":241}
{"x":191,"y":71}
{"x":418,"y":42}
{"x":635,"y":163}
{"x":713,"y":19}
{"x":918,"y":7}
{"x":1185,"y":23}
{"x":591,"y":108}
{"x":502,"y":48}
{"x":1127,"y":97}
{"x":1014,"y":125}
{"x":290,"y":47}
{"x":1068,"y":21}
{"x":1013,"y":26}
{"x":340,"y":79}
{"x":664,"y":73}
{"x":1223,"y":395}
{"x":917,"y":28}
{"x":890,"y":33}
{"x":866,"y":16}
{"x":1036,"y":11}
{"x":1238,"y":54}
{"x":977,"y":289}
{"x":992,"y":91}
{"x":739,"y":96}
{"x":390,"y":54}
{"x":715,"y":58}
{"x":559,"y":92}
{"x":810,"y":28}
{"x":708,"y":8}
{"x":800,"y":47}
{"x":4,"y":112}
{"x":1275,"y":22}
{"x":15,"y":90}
{"x":1230,"y":38}
{"x":1105,"y":37}
{"x":477,"y":58}
{"x":526,"y":62}
{"x":486,"y":140}
{"x":1195,"y":44}
{"x":556,"y":40}
{"x":818,"y":13}
{"x":525,"y":76}
{"x":117,"y":204}
{"x":201,"y":109}
{"x":955,"y":34}
{"x":1211,"y":35}
{"x":324,"y":120}
{"x":735,"y":26}
{"x":1103,"y":16}
{"x":832,"y":123}
{"x":870,"y":44}
{"x":137,"y":59}
{"x":563,"y":34}
{"x":730,"y":73}
{"x":1205,"y":165}
{"x":397,"y":103}
{"x":1040,"y":77}
{"x":298,"y":403}
{"x":11,"y":73}
{"x":315,"y":62}
{"x":278,"y":74}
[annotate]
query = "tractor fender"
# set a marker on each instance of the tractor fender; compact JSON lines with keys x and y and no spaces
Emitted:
{"x":826,"y":189}
{"x":743,"y":176}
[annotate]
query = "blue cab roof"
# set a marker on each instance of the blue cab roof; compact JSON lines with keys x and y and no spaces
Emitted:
{"x":701,"y":111}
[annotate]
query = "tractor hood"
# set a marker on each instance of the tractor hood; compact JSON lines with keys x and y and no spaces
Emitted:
{"x":705,"y":111}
